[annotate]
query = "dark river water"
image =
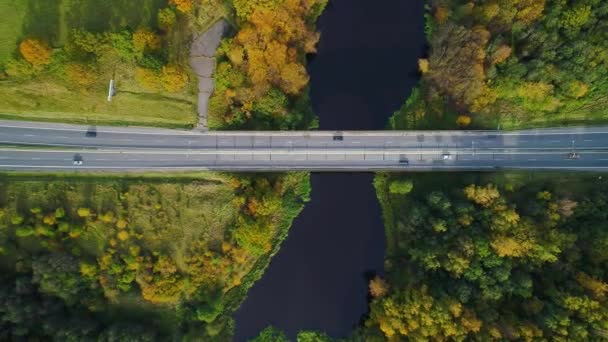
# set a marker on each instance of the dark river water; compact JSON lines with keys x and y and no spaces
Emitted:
{"x":364,"y":70}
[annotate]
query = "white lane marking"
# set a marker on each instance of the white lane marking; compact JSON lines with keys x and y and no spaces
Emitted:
{"x":554,"y":141}
{"x":523,"y":141}
{"x":36,"y":158}
{"x":531,"y":159}
{"x":355,"y":142}
{"x":29,"y":135}
{"x":588,"y":140}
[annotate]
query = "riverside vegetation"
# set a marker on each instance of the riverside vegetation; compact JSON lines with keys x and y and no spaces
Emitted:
{"x":137,"y":259}
{"x":513,"y":256}
{"x":517,"y":64}
{"x":510,"y":256}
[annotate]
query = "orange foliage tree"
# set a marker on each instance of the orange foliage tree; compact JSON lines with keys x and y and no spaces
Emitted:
{"x":183,"y":6}
{"x":35,"y":51}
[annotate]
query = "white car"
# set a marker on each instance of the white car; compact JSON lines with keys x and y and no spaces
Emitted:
{"x":77,"y":162}
{"x":447,"y":156}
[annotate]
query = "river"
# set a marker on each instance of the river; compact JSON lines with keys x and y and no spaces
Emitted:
{"x":364,"y":70}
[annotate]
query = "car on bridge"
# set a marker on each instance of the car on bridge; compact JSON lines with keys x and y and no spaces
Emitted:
{"x":403,"y":160}
{"x":573,"y":155}
{"x":77,"y":160}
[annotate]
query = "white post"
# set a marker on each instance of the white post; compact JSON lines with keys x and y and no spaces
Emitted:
{"x":111,"y":91}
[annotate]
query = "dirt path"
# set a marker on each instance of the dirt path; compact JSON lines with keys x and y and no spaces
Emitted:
{"x":202,"y":60}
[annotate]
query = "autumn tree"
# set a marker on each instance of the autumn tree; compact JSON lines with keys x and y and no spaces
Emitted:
{"x":183,"y":6}
{"x":378,"y":287}
{"x":173,"y":78}
{"x":35,"y":51}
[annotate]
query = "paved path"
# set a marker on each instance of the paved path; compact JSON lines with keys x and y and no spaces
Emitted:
{"x":54,"y":146}
{"x":202,"y":60}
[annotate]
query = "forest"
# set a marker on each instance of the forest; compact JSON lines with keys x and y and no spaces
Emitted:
{"x":511,"y":64}
{"x":137,"y":259}
{"x":261,"y":79}
{"x":514,"y":256}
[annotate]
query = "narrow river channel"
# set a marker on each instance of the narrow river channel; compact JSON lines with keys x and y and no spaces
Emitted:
{"x":364,"y":70}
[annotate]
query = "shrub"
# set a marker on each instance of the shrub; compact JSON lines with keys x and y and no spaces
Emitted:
{"x":59,"y":213}
{"x":84,"y":212}
{"x":173,"y":78}
{"x":401,"y":187}
{"x":17,"y":220}
{"x":183,"y":6}
{"x":147,"y":79}
{"x":35,"y":51}
{"x":123,"y":235}
{"x":24,"y":231}
{"x":166,"y":18}
{"x":80,"y":75}
{"x":463,"y":120}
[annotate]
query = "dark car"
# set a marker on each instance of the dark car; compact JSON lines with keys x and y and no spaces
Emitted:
{"x":404,"y":161}
{"x":338,"y":137}
{"x":91,"y":132}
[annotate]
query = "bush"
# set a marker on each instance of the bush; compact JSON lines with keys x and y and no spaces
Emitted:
{"x":24,"y":231}
{"x":173,"y":78}
{"x":35,"y":51}
{"x":463,"y":120}
{"x":166,"y":18}
{"x":84,"y":212}
{"x":17,"y":220}
{"x":401,"y":187}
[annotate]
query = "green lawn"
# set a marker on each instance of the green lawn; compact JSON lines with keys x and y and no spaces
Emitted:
{"x":11,"y":27}
{"x":50,"y":101}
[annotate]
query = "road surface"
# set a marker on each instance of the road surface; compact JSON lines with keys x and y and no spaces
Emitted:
{"x":54,"y":147}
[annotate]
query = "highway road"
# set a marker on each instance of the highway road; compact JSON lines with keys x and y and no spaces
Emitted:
{"x":43,"y":146}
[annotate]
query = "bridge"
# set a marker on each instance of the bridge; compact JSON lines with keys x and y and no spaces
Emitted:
{"x":60,"y":147}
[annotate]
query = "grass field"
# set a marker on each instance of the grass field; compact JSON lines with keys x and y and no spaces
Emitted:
{"x":48,"y":98}
{"x":11,"y":27}
{"x":51,"y":101}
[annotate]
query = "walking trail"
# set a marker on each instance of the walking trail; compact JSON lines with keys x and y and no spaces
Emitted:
{"x":202,"y":60}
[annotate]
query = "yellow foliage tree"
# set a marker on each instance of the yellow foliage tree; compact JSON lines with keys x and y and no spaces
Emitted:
{"x":183,"y":6}
{"x":483,"y":196}
{"x":463,"y":120}
{"x":35,"y":51}
{"x":145,"y":40}
{"x":173,"y":79}
{"x":84,"y":212}
{"x":423,"y":65}
{"x":378,"y":287}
